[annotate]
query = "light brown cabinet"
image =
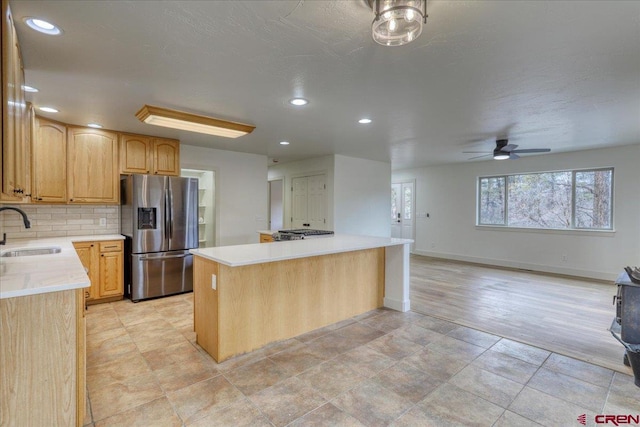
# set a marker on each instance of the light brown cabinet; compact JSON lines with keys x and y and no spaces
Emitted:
{"x":49,"y":162}
{"x":92,"y":166}
{"x":266,"y":238}
{"x":14,"y":155}
{"x":146,"y":155}
{"x":104,"y":262}
{"x":42,"y":348}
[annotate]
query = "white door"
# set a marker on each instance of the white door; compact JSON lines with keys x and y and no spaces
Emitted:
{"x":308,"y":202}
{"x":316,"y":194}
{"x":402,"y":210}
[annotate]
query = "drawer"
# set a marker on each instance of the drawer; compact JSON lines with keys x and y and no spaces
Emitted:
{"x":111,"y":246}
{"x":266,"y":238}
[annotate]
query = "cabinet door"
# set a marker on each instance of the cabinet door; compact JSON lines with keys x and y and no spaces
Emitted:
{"x":111,"y":274}
{"x":49,"y":162}
{"x":92,"y":169}
{"x":166,"y":157}
{"x":14,"y":155}
{"x":135,"y":154}
{"x":88,"y":254}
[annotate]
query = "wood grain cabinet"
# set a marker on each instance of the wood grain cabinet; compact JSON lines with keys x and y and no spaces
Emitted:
{"x":49,"y":162}
{"x":92,"y":166}
{"x":42,"y":348}
{"x":146,"y":155}
{"x":14,"y":153}
{"x":104,"y":261}
{"x":266,"y":238}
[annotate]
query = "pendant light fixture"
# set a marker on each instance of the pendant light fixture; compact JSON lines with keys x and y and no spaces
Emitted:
{"x":397,"y":22}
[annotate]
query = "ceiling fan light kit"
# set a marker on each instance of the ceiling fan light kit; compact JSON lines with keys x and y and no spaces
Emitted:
{"x":504,"y":151}
{"x":192,"y":122}
{"x":397,"y":22}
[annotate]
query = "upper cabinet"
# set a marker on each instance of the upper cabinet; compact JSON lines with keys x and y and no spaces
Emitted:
{"x":166,"y":157}
{"x":14,"y":156}
{"x":92,"y":166}
{"x":49,"y":162}
{"x":146,"y":155}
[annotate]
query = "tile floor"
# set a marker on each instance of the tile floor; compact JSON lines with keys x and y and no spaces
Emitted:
{"x":380,"y":368}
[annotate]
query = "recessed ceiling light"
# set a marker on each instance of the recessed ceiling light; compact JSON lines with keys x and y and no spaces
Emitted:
{"x":364,"y":121}
{"x":29,"y":88}
{"x":43,"y":26}
{"x":95,"y":125}
{"x":298,"y":101}
{"x":284,"y":142}
{"x":48,"y":110}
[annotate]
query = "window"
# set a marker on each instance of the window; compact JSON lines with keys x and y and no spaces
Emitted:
{"x":550,"y":200}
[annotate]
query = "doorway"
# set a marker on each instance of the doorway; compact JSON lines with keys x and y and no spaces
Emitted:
{"x":206,"y":205}
{"x":276,"y":204}
{"x":403,"y":210}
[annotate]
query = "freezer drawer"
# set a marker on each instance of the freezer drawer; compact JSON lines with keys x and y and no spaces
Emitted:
{"x":161,"y":274}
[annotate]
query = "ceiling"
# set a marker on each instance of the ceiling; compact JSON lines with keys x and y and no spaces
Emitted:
{"x":558,"y":74}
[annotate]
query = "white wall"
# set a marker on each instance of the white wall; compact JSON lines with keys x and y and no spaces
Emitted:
{"x":362,"y":196}
{"x":448,"y":194}
{"x":314,"y":166}
{"x":241,"y":191}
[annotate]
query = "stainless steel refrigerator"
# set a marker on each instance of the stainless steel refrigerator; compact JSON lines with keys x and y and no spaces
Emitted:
{"x":159,"y":218}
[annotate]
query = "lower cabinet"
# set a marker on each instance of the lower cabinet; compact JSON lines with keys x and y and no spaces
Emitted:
{"x":42,"y":349}
{"x":266,"y":238}
{"x":104,"y":261}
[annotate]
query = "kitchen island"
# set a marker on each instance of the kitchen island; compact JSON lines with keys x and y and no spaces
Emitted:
{"x":247,"y":296}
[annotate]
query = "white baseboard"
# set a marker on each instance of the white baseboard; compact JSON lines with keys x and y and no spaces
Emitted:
{"x":589,"y":274}
{"x":397,"y":304}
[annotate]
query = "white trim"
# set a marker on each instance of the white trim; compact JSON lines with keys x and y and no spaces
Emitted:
{"x":589,"y":274}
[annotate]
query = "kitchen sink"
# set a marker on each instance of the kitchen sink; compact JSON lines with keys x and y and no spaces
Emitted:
{"x":44,"y":250}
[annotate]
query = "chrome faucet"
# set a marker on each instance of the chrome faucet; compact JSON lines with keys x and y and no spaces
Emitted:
{"x":27,"y":224}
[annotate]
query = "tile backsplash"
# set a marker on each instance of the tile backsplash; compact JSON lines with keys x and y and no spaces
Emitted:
{"x":60,"y":221}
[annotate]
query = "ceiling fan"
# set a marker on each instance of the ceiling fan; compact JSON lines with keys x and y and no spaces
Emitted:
{"x":504,"y":151}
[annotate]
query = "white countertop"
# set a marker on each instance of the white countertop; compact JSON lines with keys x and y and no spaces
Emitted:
{"x":39,"y":274}
{"x":257,"y":253}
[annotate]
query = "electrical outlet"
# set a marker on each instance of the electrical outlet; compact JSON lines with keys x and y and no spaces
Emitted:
{"x":103,"y":222}
{"x":564,"y":257}
{"x":433,"y":245}
{"x":213,"y":282}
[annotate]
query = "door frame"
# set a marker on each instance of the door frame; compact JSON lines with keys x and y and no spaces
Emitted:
{"x":269,"y":181}
{"x":216,"y":201}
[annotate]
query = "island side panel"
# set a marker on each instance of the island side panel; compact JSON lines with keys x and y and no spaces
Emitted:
{"x":205,"y":304}
{"x":268,"y":302}
{"x":38,"y":358}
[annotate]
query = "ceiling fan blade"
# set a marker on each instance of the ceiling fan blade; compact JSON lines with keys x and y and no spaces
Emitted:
{"x":532,"y":150}
{"x":509,"y":148}
{"x":477,"y":152}
{"x":477,"y":157}
{"x":513,"y":156}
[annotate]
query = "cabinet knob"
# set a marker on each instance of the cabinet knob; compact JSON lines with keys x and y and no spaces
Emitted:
{"x":71,"y":200}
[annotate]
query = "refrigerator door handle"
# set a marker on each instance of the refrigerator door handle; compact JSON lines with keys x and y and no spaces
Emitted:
{"x":167,"y":212}
{"x":170,"y":213}
{"x":164,"y":257}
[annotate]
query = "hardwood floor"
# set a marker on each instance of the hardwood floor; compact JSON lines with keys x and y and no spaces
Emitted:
{"x":569,"y":316}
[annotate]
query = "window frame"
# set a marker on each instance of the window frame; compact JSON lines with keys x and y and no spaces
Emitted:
{"x":573,"y":226}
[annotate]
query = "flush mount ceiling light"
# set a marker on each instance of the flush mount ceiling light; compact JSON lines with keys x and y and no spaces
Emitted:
{"x":192,"y":122}
{"x":48,"y":110}
{"x":95,"y":125}
{"x":284,"y":142}
{"x":29,"y":89}
{"x":298,"y":101}
{"x":364,"y":121}
{"x":397,"y":22}
{"x":42,"y":26}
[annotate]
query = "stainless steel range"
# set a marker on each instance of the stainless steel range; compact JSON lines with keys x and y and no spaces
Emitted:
{"x":300,"y":234}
